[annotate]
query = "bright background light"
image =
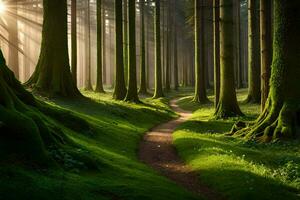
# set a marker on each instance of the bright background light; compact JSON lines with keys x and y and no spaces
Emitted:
{"x":2,"y":7}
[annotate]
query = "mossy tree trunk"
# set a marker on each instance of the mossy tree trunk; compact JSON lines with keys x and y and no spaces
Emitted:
{"x":120,"y":88}
{"x":216,"y":50}
{"x":99,"y":82}
{"x":254,"y":95}
{"x":266,"y":48}
{"x":132,"y":93}
{"x":52,"y":75}
{"x":200,"y":88}
{"x":281,"y":116}
{"x":74,"y":39}
{"x":227,"y":106}
{"x":29,"y":127}
{"x":158,"y":72}
{"x":143,"y":85}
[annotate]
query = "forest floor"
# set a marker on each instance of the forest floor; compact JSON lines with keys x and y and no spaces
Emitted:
{"x":229,"y":166}
{"x":236,"y":168}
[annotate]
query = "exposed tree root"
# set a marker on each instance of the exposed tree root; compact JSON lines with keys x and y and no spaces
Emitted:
{"x":278,"y":121}
{"x":26,"y":133}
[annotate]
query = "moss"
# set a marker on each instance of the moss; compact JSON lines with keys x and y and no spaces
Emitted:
{"x":279,"y":118}
{"x":52,"y":75}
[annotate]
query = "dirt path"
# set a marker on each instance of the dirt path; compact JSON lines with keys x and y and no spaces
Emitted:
{"x":157,"y":150}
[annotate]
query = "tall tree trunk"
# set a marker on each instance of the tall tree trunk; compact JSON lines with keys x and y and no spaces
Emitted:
{"x":266,"y":48}
{"x":88,"y":81}
{"x":163,"y":41}
{"x":99,"y":82}
{"x":238,"y":43}
{"x":176,"y":84}
{"x":125,"y":39}
{"x":217,"y":50}
{"x":143,"y":86}
{"x":227,"y":106}
{"x":120,"y":88}
{"x":168,"y":53}
{"x":132,"y":94}
{"x":104,"y":64}
{"x":158,"y":74}
{"x":52,"y":75}
{"x":253,"y":56}
{"x":74,"y":39}
{"x":281,"y":115}
{"x":200,"y":89}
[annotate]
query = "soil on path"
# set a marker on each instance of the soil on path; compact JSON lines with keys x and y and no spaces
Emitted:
{"x":157,"y":151}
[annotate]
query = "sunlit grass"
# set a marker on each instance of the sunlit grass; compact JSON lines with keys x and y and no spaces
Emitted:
{"x":112,"y":147}
{"x":237,"y":168}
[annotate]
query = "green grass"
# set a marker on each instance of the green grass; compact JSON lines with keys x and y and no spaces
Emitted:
{"x":113,"y":170}
{"x":234,"y":167}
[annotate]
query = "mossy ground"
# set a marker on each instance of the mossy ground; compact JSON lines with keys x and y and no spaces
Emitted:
{"x":237,"y":168}
{"x":108,"y":166}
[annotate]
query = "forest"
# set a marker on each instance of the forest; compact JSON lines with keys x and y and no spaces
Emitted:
{"x":149,"y":99}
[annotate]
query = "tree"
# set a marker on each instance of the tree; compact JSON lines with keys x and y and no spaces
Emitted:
{"x":266,"y":48}
{"x":227,"y":106}
{"x":200,"y":89}
{"x":216,"y":50}
{"x":253,"y":57}
{"x":125,"y":39}
{"x":280,"y":118}
{"x":52,"y":75}
{"x":168,"y":48}
{"x":88,"y":55}
{"x":143,"y":86}
{"x":120,"y":88}
{"x":132,"y":94}
{"x":99,"y":83}
{"x":74,"y":39}
{"x":176,"y":84}
{"x":158,"y":74}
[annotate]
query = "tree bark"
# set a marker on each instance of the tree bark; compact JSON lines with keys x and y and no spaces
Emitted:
{"x":266,"y":48}
{"x":158,"y":74}
{"x":200,"y":89}
{"x":99,"y":82}
{"x":217,"y":50}
{"x":132,"y":94}
{"x":254,"y":95}
{"x":280,"y":118}
{"x":143,"y":85}
{"x":176,"y":84}
{"x":120,"y":88}
{"x":74,"y":39}
{"x":227,"y":106}
{"x":52,"y":75}
{"x":168,"y":46}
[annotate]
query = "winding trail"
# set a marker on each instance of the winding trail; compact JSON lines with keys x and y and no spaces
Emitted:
{"x":157,"y":150}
